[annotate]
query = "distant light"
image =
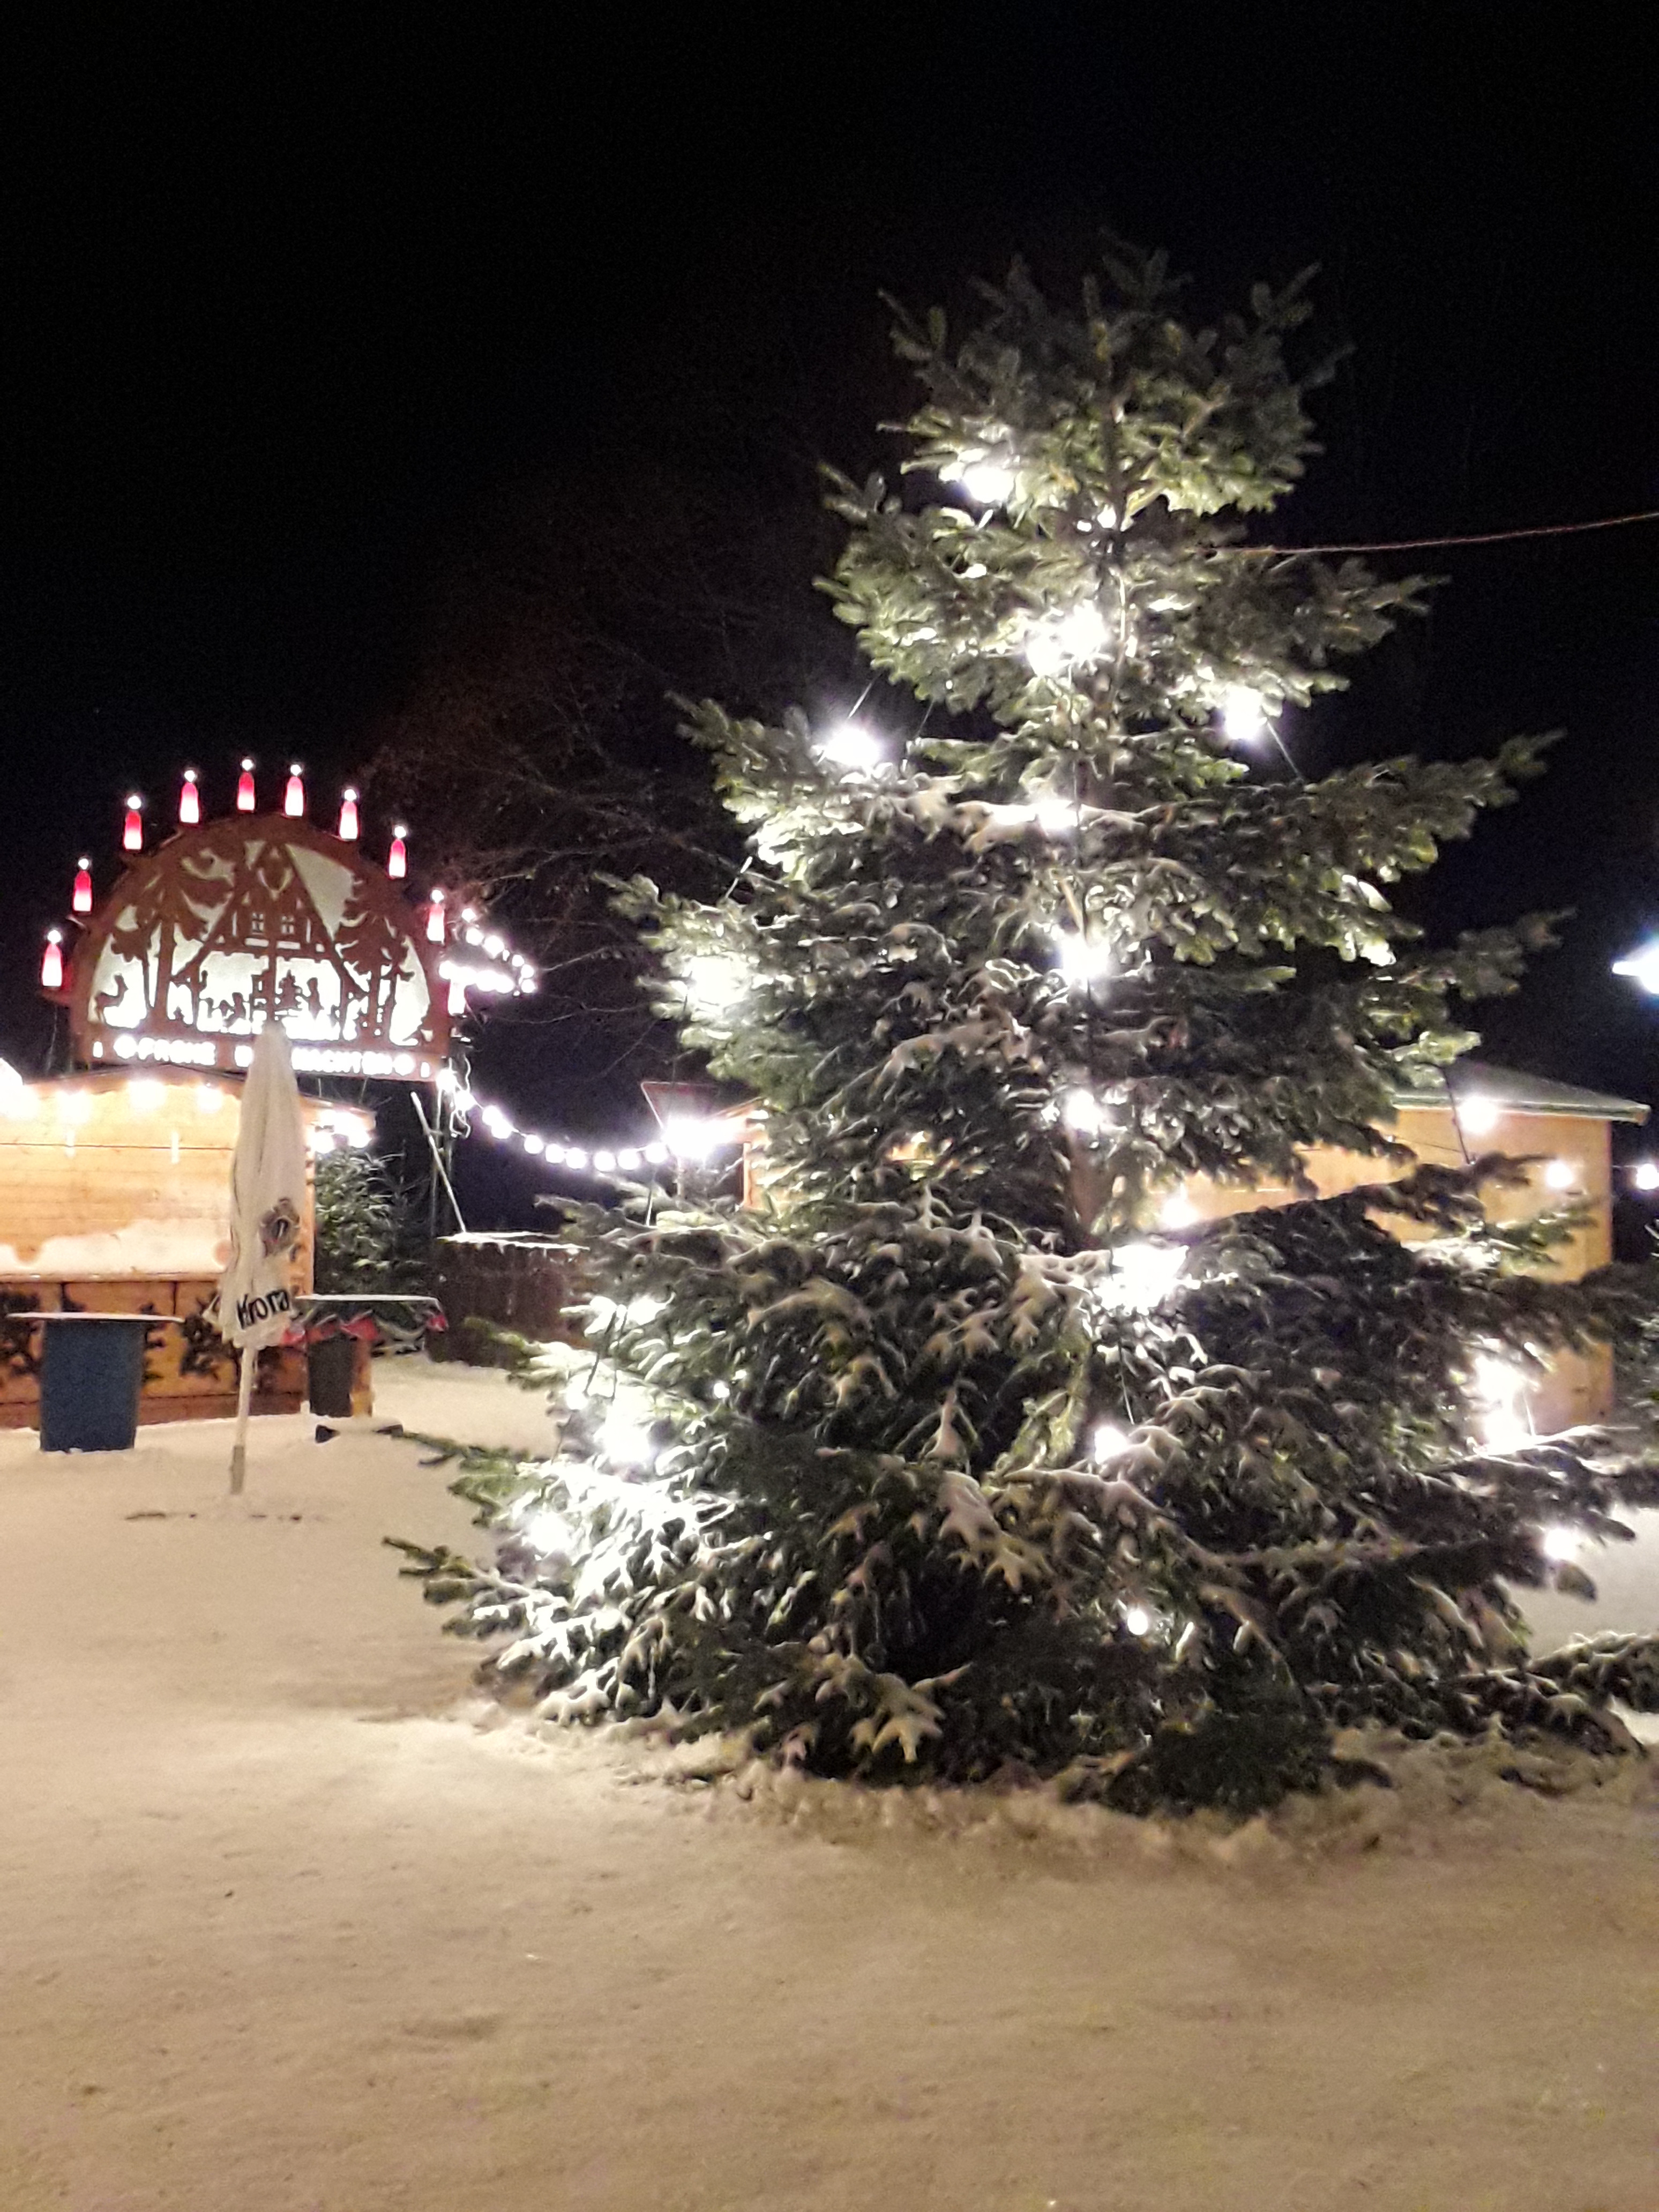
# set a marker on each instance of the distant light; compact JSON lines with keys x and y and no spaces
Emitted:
{"x":209,"y":1098}
{"x":1107,"y":1442}
{"x":1137,"y":1619}
{"x":851,"y":746}
{"x":1142,"y":1273}
{"x":1560,"y":1543}
{"x":1646,"y":1174}
{"x":988,"y":482}
{"x":1478,"y":1115}
{"x":145,"y":1095}
{"x":1244,"y":715}
{"x":1177,"y":1211}
{"x":1642,"y":966}
{"x":1559,"y":1174}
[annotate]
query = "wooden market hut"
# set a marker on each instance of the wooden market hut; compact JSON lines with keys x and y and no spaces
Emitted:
{"x":115,"y":1198}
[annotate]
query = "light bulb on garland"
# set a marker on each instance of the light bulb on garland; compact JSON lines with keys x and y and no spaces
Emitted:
{"x":189,"y":801}
{"x":1081,"y":960}
{"x":987,"y":481}
{"x":849,"y":745}
{"x":1244,"y":715}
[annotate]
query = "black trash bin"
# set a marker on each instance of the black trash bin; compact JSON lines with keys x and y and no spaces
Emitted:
{"x":329,"y":1364}
{"x":92,"y":1370}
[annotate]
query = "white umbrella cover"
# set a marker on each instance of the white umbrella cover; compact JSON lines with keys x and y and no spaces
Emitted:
{"x":267,"y":1211}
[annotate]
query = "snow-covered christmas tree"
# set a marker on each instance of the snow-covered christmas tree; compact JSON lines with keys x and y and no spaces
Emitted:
{"x":964,"y":1453}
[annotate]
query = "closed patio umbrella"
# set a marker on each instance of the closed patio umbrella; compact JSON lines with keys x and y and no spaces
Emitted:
{"x":256,"y":1304}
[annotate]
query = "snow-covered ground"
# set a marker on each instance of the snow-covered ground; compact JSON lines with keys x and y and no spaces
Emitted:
{"x":283,"y":1930}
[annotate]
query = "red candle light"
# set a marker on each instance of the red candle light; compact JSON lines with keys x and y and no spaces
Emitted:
{"x":434,"y":919}
{"x":52,"y":962}
{"x":82,"y":901}
{"x":294,"y":798}
{"x":246,"y":798}
{"x":348,"y":812}
{"x":133,"y":831}
{"x":397,"y":861}
{"x":190,"y":799}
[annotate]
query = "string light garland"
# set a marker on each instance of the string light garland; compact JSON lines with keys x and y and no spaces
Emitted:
{"x":688,"y":1139}
{"x":1466,"y":537}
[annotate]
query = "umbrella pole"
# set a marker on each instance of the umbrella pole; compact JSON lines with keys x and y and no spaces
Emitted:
{"x":239,"y":1449}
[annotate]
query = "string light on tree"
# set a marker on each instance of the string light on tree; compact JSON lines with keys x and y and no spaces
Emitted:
{"x":1054,"y":643}
{"x":850,"y":746}
{"x":715,"y":982}
{"x":1560,"y":1543}
{"x":1559,"y":1174}
{"x":1244,"y":718}
{"x":1082,"y":961}
{"x":988,"y":481}
{"x":1081,"y":1113}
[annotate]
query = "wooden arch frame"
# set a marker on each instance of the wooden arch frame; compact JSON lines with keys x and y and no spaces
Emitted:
{"x":159,"y":886}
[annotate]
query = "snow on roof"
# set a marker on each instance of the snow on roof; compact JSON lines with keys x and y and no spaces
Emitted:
{"x":1516,"y":1092}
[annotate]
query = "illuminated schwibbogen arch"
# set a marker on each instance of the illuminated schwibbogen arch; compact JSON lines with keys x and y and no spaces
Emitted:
{"x":240,"y":921}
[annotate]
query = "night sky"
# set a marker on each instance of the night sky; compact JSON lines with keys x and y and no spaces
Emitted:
{"x":288,"y":324}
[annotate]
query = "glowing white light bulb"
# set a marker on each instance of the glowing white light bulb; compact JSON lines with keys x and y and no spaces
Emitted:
{"x":1081,"y":1112}
{"x":1244,"y":714}
{"x":1053,"y":816}
{"x":574,"y":1157}
{"x":1646,"y":1174}
{"x":548,"y":1533}
{"x":625,"y":1442}
{"x":1081,"y":960}
{"x":1177,"y":1211}
{"x":656,"y":1155}
{"x":1478,"y":1115}
{"x":628,"y":1160}
{"x":690,"y":1137}
{"x":987,"y":481}
{"x":849,"y":745}
{"x":1137,"y":1619}
{"x":1642,"y":966}
{"x":496,"y":1122}
{"x":604,"y":1163}
{"x":1560,"y":1543}
{"x":1559,"y":1175}
{"x":715,"y":982}
{"x":534,"y":1144}
{"x":1107,"y":1442}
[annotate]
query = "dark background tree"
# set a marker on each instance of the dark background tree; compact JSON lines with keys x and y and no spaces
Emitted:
{"x":293,"y":325}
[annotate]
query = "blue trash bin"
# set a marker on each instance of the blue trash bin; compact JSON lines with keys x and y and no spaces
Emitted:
{"x":92,"y":1370}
